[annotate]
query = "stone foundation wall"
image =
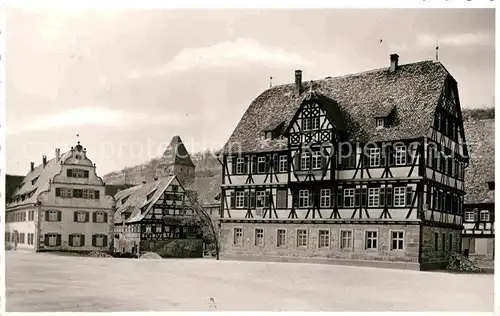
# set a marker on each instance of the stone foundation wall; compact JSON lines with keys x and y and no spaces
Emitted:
{"x":437,"y":257}
{"x":174,"y":248}
{"x":357,"y":252}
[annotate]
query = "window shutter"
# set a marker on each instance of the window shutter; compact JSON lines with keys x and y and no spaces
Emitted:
{"x":58,"y":191}
{"x":94,"y":217}
{"x":75,"y":216}
{"x":45,"y":240}
{"x":58,"y":240}
{"x":390,"y":153}
{"x":364,"y":197}
{"x":232,"y":202}
{"x":266,"y":199}
{"x":323,"y":162}
{"x":46,"y":216}
{"x":87,"y":215}
{"x":409,"y":191}
{"x":93,"y":240}
{"x":381,"y":198}
{"x":245,"y":166}
{"x":383,"y":155}
{"x":105,"y":217}
{"x":96,"y":195}
{"x":105,"y":240}
{"x":68,"y":172}
{"x":245,"y":199}
{"x":366,"y":160}
{"x":58,"y":216}
{"x":275,"y":163}
{"x":254,"y":164}
{"x":356,"y":198}
{"x":82,"y":240}
{"x":296,"y":162}
{"x":295,"y":199}
{"x":233,"y":165}
{"x":71,"y":240}
{"x":389,"y":196}
{"x":85,"y":173}
{"x":252,"y":199}
{"x":339,"y":197}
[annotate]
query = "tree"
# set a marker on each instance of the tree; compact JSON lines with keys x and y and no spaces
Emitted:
{"x":202,"y":220}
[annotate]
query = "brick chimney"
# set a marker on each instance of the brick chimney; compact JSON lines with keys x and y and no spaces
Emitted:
{"x":298,"y":82}
{"x":58,"y":154}
{"x":44,"y":160}
{"x":394,"y":62}
{"x":32,"y":166}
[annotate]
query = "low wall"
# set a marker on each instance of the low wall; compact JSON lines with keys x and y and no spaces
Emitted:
{"x":174,"y":248}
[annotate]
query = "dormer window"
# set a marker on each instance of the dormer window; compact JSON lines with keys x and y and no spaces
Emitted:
{"x":380,"y":122}
{"x":268,"y":135}
{"x":491,"y":185}
{"x":150,"y":195}
{"x":34,"y":181}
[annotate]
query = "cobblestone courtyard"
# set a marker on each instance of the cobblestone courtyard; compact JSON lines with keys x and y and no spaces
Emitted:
{"x":44,"y":282}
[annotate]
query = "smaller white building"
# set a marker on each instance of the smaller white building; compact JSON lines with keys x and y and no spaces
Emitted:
{"x":61,"y":205}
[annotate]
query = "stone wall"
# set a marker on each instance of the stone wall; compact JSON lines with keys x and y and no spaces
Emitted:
{"x":357,"y":252}
{"x":437,"y":257}
{"x":174,"y":248}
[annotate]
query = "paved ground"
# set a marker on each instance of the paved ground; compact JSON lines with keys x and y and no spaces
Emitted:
{"x":44,"y":282}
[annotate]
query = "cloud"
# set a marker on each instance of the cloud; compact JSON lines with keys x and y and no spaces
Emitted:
{"x":242,"y":53}
{"x":92,"y":116}
{"x":463,"y":39}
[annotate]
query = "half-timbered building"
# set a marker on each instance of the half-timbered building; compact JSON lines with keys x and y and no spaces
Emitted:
{"x":360,"y":168}
{"x":478,"y":236}
{"x":152,"y":216}
{"x":61,"y":205}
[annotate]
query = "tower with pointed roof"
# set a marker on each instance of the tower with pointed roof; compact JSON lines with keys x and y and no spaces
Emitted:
{"x":176,"y":161}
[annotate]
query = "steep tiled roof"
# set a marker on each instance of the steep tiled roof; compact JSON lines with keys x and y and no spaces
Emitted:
{"x":481,"y":143}
{"x":137,"y":197}
{"x":413,"y":90}
{"x":176,"y":153}
{"x":37,"y":181}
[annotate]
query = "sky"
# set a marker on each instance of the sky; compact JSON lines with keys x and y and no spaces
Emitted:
{"x":127,"y":81}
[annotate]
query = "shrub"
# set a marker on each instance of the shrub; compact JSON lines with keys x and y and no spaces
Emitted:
{"x":458,"y":262}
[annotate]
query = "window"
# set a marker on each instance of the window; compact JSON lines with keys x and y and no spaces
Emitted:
{"x":261,"y":165}
{"x":450,"y":242}
{"x":240,"y":199}
{"x":469,"y":216}
{"x":52,"y":239}
{"x":436,"y":241}
{"x":238,"y":236}
{"x":34,"y":181}
{"x":400,"y":155}
{"x":147,"y":228}
{"x":323,"y":238}
{"x":380,"y":122}
{"x":261,"y":198}
{"x":443,"y":242}
{"x":281,"y":198}
{"x":259,"y":237}
{"x":306,"y":124}
{"x":397,"y":241}
{"x":53,"y":215}
{"x":281,"y":238}
{"x":66,"y":193}
{"x":345,"y":239}
{"x":348,"y":197}
{"x":240,"y":164}
{"x":305,"y":161}
{"x":99,"y":241}
{"x":373,"y":196}
{"x":304,"y":198}
{"x":399,"y":196}
{"x":374,"y":157}
{"x":21,"y":238}
{"x":78,"y":173}
{"x":99,"y":217}
{"x":75,"y":240}
{"x":283,"y":163}
{"x":315,"y":122}
{"x":484,"y":216}
{"x":88,"y":194}
{"x":324,"y":200}
{"x":370,"y":240}
{"x":301,"y":238}
{"x":316,"y":160}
